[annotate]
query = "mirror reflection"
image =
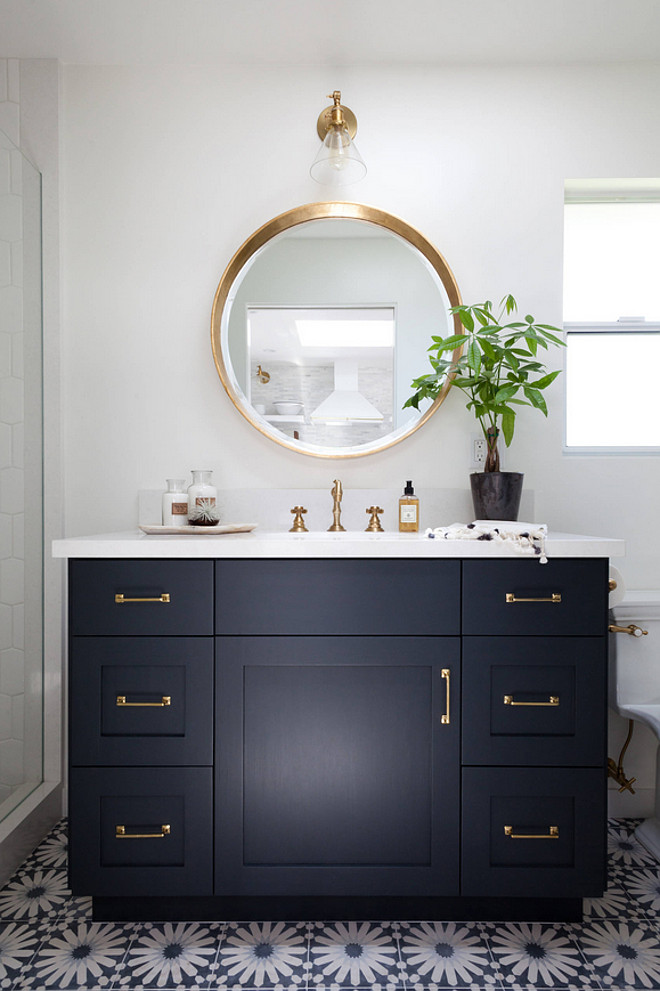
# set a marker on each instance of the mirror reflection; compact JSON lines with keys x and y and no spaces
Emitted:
{"x":320,"y":328}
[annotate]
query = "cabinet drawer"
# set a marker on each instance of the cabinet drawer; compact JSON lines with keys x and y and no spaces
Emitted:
{"x":534,"y":700}
{"x":531,"y":831}
{"x":345,"y":597}
{"x":141,"y":700}
{"x":160,"y":598}
{"x":563,"y":597}
{"x":164,"y":816}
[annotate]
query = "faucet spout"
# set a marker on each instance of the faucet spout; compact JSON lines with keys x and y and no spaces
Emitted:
{"x":336,"y":492}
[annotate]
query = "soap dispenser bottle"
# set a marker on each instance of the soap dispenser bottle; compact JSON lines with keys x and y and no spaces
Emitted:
{"x":408,"y":510}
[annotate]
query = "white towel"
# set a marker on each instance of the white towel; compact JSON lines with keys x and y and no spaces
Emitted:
{"x":527,"y":538}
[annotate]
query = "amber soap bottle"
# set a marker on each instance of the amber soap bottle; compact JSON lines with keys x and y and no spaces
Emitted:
{"x":408,"y":510}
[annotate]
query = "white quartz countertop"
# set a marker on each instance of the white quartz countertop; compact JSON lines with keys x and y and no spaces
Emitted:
{"x":136,"y":544}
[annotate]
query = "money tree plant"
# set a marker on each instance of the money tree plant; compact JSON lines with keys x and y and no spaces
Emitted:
{"x":498,"y":369}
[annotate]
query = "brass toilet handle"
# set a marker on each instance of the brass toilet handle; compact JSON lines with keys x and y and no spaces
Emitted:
{"x":631,"y":630}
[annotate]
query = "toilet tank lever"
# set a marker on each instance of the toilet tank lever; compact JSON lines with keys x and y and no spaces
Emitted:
{"x":631,"y":630}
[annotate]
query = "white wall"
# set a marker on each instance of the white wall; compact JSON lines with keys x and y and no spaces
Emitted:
{"x":157,"y":196}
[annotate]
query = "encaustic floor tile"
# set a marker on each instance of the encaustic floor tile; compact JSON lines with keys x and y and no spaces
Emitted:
{"x":263,"y":955}
{"x":446,"y":955}
{"x":48,"y":941}
{"x":75,"y":955}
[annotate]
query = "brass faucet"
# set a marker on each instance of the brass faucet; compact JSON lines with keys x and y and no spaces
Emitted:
{"x":336,"y":492}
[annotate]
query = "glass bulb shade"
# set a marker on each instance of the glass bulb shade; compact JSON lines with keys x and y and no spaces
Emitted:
{"x":338,"y":160}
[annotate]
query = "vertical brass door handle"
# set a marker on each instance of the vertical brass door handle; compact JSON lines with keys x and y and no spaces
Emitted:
{"x":446,"y":674}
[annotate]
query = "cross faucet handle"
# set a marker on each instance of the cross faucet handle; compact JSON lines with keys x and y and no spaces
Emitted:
{"x":298,"y":521}
{"x":374,"y":523}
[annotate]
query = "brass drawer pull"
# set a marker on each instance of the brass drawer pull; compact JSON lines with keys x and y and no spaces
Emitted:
{"x":446,"y":674}
{"x":121,"y":599}
{"x":553,"y":700}
{"x":555,"y":597}
{"x":121,"y":834}
{"x":123,"y":704}
{"x":552,"y":834}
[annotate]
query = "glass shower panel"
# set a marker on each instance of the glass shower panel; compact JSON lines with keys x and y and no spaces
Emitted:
{"x":21,"y":479}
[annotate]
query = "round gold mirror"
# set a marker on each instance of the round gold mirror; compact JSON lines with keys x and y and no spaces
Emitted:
{"x":320,"y":323}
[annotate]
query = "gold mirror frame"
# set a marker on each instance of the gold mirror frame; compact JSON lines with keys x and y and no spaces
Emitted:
{"x":293,"y":218}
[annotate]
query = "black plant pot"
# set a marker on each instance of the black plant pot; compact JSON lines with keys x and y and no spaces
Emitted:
{"x":496,"y":494}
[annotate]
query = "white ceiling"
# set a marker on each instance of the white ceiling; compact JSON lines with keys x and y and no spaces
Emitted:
{"x":331,"y":32}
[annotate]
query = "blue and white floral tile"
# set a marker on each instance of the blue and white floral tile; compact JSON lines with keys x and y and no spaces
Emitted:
{"x":541,"y":955}
{"x":355,"y":955}
{"x":616,"y":902}
{"x":624,"y":954}
{"x":19,"y":941}
{"x":263,"y":955}
{"x":34,"y":894}
{"x":75,"y":955}
{"x":446,"y":955}
{"x":52,"y":852}
{"x":623,"y":850}
{"x":171,"y":955}
{"x":642,"y":889}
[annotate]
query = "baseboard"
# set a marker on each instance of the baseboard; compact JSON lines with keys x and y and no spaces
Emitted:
{"x":624,"y":805}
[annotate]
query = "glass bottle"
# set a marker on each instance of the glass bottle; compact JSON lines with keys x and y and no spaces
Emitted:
{"x":175,"y":503}
{"x":201,"y":488}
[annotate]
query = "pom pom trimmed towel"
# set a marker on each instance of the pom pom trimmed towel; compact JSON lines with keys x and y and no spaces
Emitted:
{"x":527,"y":538}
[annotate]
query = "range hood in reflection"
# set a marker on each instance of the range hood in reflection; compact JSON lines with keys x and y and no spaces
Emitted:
{"x":346,"y":402}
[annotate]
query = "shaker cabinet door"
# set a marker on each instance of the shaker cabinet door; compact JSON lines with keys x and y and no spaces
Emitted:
{"x":337,"y":765}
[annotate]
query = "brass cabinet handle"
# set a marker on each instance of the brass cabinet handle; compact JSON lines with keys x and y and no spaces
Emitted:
{"x":552,"y":834}
{"x":555,"y":597}
{"x":631,"y":629}
{"x":121,"y":834}
{"x":123,"y":704}
{"x":553,"y":700}
{"x":121,"y":599}
{"x":446,"y":674}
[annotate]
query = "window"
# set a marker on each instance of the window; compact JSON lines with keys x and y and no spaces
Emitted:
{"x":612,"y":315}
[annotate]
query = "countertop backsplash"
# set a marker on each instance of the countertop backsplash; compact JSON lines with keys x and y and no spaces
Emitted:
{"x":271,"y":508}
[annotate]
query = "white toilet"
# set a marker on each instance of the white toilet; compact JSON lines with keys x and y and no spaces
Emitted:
{"x":634,"y":684}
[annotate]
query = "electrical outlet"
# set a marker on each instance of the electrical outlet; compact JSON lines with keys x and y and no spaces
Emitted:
{"x":478,"y":451}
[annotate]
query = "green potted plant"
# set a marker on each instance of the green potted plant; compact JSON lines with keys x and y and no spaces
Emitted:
{"x":498,"y":370}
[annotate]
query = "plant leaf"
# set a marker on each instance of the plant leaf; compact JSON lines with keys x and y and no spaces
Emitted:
{"x":474,"y":357}
{"x":505,"y":393}
{"x":536,"y":399}
{"x":508,"y":426}
{"x":544,"y":382}
{"x":466,"y":318}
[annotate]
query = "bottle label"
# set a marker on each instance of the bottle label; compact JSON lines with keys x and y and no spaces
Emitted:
{"x":179,"y":509}
{"x":206,"y":500}
{"x":408,"y":514}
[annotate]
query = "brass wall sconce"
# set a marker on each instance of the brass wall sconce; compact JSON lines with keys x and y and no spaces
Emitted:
{"x":338,"y":160}
{"x":263,"y":376}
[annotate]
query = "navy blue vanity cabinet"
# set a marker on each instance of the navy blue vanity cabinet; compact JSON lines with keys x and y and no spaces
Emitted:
{"x":141,"y":727}
{"x":338,"y":738}
{"x":534,"y":727}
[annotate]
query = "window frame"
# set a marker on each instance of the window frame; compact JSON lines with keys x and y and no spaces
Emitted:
{"x":599,"y":191}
